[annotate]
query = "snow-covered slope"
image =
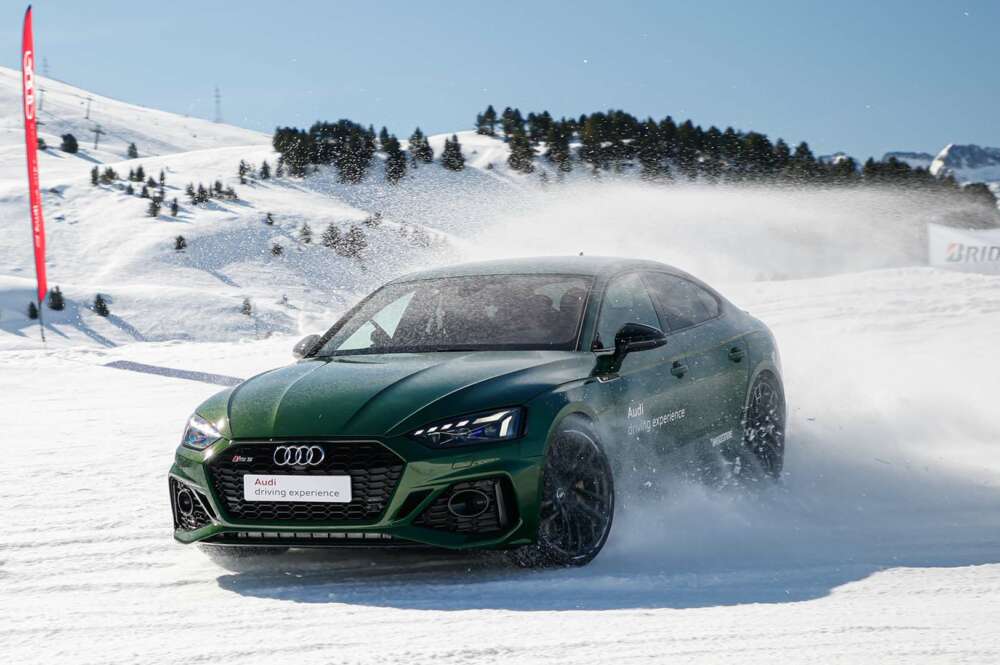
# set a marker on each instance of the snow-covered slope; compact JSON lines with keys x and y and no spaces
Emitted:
{"x":64,"y":110}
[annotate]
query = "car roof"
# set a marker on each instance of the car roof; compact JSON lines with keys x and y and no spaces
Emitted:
{"x":594,"y":266}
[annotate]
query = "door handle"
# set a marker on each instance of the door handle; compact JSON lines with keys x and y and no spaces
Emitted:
{"x":678,"y":369}
{"x":736,"y":354}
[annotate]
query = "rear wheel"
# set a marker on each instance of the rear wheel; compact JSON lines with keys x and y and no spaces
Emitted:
{"x":578,"y":500}
{"x":762,"y":454}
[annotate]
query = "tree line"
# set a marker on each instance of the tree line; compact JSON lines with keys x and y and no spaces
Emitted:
{"x":613,"y":141}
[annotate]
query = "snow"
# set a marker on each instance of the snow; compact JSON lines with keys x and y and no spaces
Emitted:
{"x":881,"y":543}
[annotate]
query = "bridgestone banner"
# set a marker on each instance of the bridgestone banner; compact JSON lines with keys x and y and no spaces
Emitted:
{"x":961,"y":249}
{"x":31,"y":145}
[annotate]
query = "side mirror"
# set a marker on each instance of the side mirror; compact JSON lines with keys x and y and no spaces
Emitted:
{"x":630,"y":338}
{"x":305,"y":345}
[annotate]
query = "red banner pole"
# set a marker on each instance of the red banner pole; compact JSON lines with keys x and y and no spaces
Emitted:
{"x":31,"y":145}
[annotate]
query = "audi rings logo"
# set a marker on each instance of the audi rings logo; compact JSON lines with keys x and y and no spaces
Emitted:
{"x":299,"y":455}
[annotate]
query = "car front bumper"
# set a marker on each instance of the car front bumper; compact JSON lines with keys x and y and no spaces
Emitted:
{"x":413,"y":512}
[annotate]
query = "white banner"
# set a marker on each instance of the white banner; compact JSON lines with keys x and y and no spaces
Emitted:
{"x":961,"y":249}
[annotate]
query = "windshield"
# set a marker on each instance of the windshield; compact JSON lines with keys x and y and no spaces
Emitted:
{"x":479,"y":312}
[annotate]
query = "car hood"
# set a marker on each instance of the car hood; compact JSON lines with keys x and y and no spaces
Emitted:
{"x":387,"y":395}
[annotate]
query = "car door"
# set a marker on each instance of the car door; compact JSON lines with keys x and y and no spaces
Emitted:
{"x":650,"y":396}
{"x":715,"y":355}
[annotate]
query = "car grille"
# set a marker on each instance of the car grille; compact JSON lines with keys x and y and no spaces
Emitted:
{"x":495,"y":517}
{"x":374,"y":470}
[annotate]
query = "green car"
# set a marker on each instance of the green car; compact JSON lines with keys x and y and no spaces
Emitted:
{"x":487,"y":405}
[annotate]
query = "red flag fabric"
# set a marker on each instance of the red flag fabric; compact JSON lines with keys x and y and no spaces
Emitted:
{"x":31,"y":144}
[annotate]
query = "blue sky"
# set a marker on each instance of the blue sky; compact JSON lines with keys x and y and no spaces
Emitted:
{"x":864,"y":77}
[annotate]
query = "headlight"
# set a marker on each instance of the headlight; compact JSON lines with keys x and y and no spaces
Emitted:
{"x":199,"y":433}
{"x":486,"y":427}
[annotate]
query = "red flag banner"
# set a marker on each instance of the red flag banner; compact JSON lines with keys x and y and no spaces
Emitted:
{"x":31,"y":144}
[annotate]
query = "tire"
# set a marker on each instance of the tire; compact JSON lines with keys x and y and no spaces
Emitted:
{"x":762,"y":451}
{"x":578,"y":500}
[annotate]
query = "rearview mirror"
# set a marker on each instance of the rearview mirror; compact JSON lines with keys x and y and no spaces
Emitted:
{"x":630,"y":338}
{"x":305,"y":345}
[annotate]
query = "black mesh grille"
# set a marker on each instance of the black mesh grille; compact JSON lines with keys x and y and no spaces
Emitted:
{"x":197,"y":517}
{"x":373,"y":468}
{"x":495,"y":518}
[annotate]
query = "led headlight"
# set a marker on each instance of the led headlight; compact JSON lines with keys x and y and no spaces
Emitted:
{"x":199,"y":433}
{"x":486,"y":427}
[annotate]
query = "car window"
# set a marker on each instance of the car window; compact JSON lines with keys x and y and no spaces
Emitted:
{"x":475,"y":312}
{"x":625,"y":301}
{"x":680,"y":303}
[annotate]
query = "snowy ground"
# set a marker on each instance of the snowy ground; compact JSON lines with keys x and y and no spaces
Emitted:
{"x":882,"y":543}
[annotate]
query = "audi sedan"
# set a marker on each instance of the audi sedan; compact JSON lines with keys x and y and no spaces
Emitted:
{"x":488,"y":405}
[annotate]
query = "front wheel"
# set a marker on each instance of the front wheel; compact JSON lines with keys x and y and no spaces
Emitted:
{"x":578,"y":500}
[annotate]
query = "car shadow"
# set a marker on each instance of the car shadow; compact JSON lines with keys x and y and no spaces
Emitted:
{"x":443,"y":581}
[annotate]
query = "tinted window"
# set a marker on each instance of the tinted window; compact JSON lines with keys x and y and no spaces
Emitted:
{"x":679,"y":302}
{"x":477,"y":312}
{"x":625,"y":301}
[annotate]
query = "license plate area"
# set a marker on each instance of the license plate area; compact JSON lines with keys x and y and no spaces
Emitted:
{"x":305,"y":489}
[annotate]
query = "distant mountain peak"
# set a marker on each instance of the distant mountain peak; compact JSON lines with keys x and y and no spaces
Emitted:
{"x":968,"y":163}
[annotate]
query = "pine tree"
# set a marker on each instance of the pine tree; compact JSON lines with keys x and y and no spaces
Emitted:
{"x":650,"y":151}
{"x":202,"y":194}
{"x":101,"y":306}
{"x":265,"y":171}
{"x":277,"y":250}
{"x":191,"y":194}
{"x":131,"y":175}
{"x":140,"y":174}
{"x":144,"y":193}
{"x":32,"y":311}
{"x":511,"y":121}
{"x":180,"y":244}
{"x":305,"y":234}
{"x":108,"y":175}
{"x":331,"y":237}
{"x":246,"y":308}
{"x":353,"y":243}
{"x":395,"y":161}
{"x":163,"y":179}
{"x":69,"y":144}
{"x":383,"y":138}
{"x":451,"y":157}
{"x":486,"y":122}
{"x":522,"y":154}
{"x":133,"y":152}
{"x":150,"y":182}
{"x":280,"y":171}
{"x":154,"y":207}
{"x":129,"y":189}
{"x":557,"y":148}
{"x":56,"y":301}
{"x":420,"y":148}
{"x":175,"y":208}
{"x":95,"y":176}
